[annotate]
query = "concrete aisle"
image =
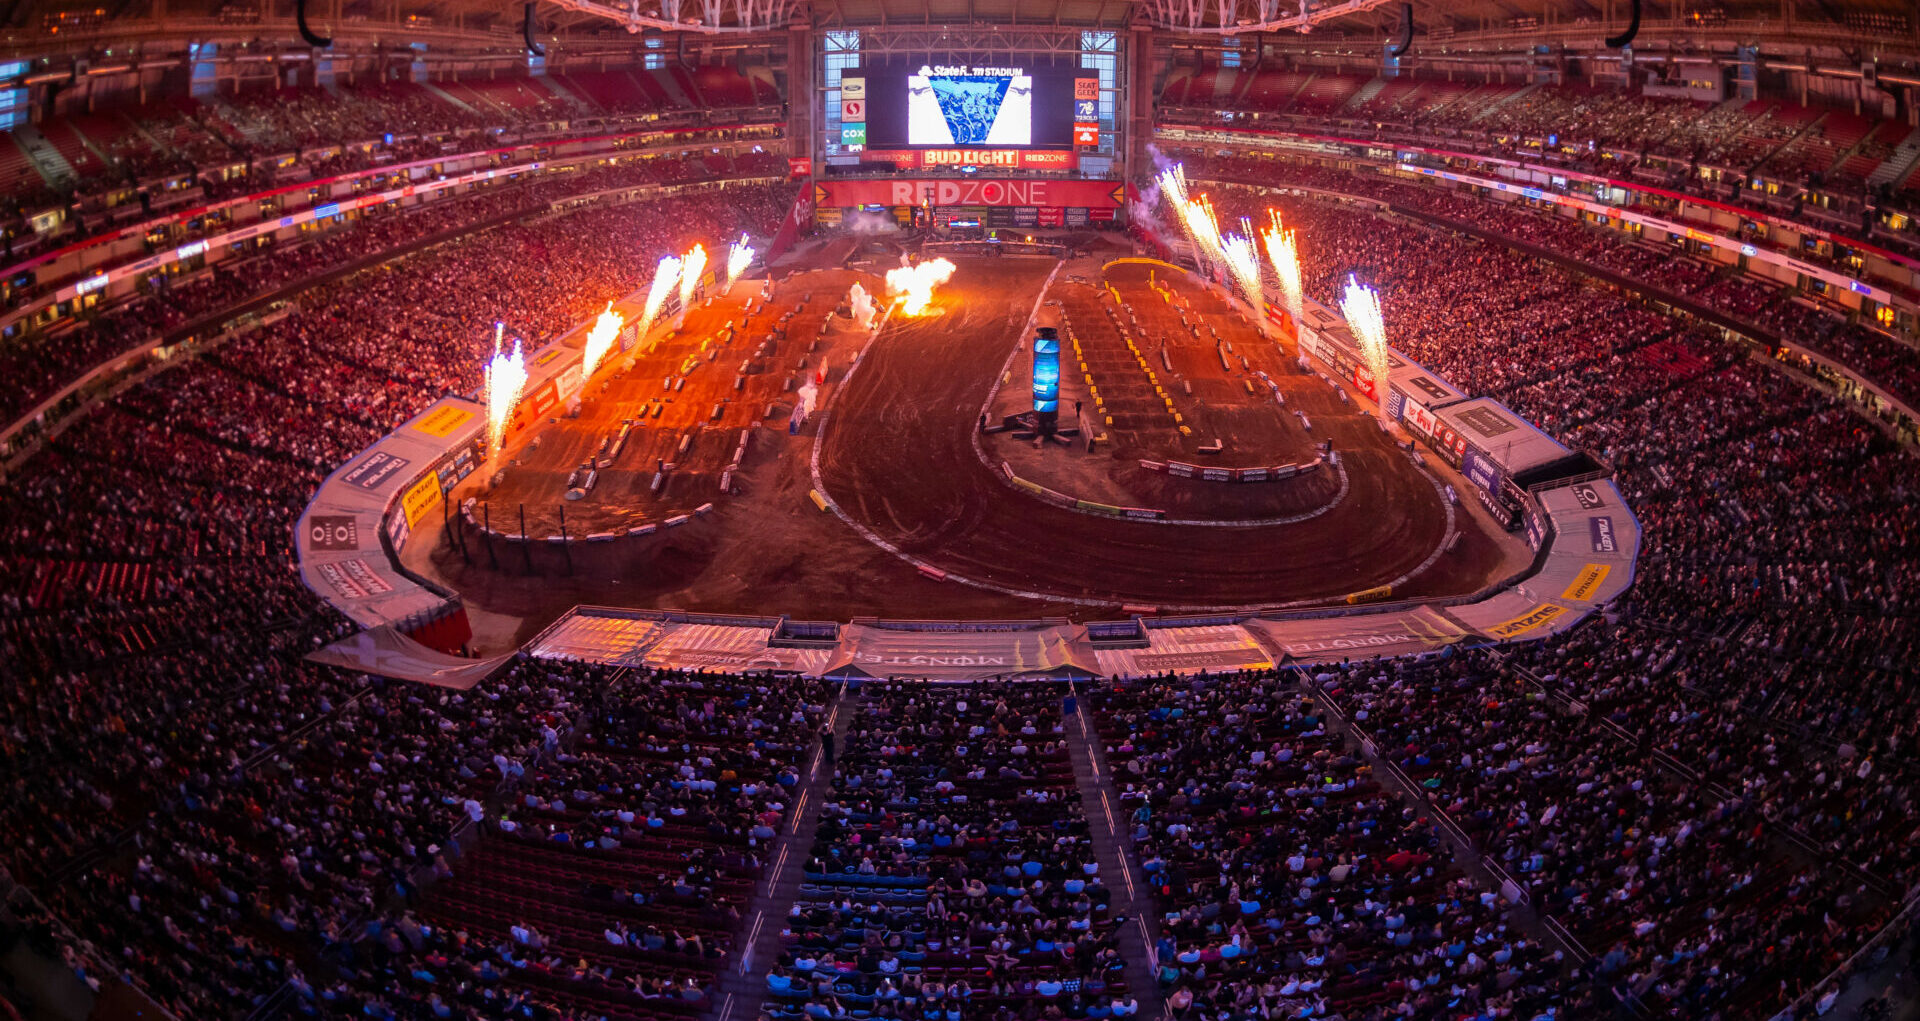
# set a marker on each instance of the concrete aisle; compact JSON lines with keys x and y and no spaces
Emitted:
{"x":743,"y":987}
{"x":1106,"y":823}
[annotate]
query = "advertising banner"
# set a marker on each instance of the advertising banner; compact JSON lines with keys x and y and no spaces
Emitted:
{"x":332,"y":533}
{"x":945,"y":192}
{"x":1601,"y":534}
{"x":374,"y":471}
{"x":420,"y":498}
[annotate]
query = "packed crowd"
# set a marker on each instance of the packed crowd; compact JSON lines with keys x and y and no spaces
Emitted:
{"x":1770,"y":310}
{"x":223,"y":147}
{"x":1290,"y":883}
{"x":37,"y":365}
{"x":612,"y":880}
{"x":952,"y":873}
{"x":1704,"y":907}
{"x":154,"y":631}
{"x":1614,"y":132}
{"x":1737,"y":745}
{"x":1713,"y":793}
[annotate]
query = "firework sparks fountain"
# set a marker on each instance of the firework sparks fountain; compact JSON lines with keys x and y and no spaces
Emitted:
{"x":739,"y":257}
{"x":913,"y":286}
{"x":1283,"y":252}
{"x":1361,"y":306}
{"x":665,"y":276}
{"x":1243,"y":262}
{"x":600,"y":340}
{"x":506,"y":375}
{"x":692,"y":265}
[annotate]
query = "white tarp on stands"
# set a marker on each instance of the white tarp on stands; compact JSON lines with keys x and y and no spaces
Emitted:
{"x":1412,"y":395}
{"x":1596,"y":540}
{"x":965,"y":651}
{"x":1216,"y":648}
{"x":658,"y":640}
{"x":597,"y":637}
{"x":1360,"y":636}
{"x":389,"y":653}
{"x":730,"y":647}
{"x":338,"y":536}
{"x":1516,"y":615}
{"x":1492,"y":444}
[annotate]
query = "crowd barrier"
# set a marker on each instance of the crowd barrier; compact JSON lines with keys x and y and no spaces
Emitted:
{"x":1207,"y":473}
{"x":1060,"y":499}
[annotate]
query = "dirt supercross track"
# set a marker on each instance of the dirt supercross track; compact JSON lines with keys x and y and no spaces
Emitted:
{"x":928,"y":525}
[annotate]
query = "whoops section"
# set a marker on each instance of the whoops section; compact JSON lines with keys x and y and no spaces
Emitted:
{"x":1125,"y":375}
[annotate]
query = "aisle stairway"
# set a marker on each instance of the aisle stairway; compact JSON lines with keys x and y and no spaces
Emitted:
{"x":1897,"y":167}
{"x":743,"y":986}
{"x":1108,"y":821}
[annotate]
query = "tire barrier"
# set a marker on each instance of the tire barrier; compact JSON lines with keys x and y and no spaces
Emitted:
{"x":1205,"y":473}
{"x":556,"y":539}
{"x":1371,"y":595}
{"x":1060,"y":499}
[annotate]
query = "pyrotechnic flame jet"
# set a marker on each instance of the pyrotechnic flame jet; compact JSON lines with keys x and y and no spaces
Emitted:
{"x":1283,"y":252}
{"x":1243,"y":261}
{"x":599,"y":342}
{"x":665,"y":276}
{"x":913,"y":285}
{"x":739,"y":257}
{"x":1361,"y":306}
{"x":506,"y":375}
{"x":692,"y":265}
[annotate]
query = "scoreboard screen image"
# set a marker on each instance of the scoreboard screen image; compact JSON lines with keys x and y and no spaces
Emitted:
{"x":970,"y":109}
{"x":948,"y":106}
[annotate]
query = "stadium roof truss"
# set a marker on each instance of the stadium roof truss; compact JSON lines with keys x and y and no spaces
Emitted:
{"x":1236,"y":17}
{"x":709,"y":17}
{"x":933,"y":40}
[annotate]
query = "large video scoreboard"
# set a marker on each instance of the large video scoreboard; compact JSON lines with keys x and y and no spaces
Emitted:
{"x":960,"y":108}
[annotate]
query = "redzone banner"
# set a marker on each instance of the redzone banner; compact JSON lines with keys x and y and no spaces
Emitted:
{"x":1094,"y":195}
{"x":996,"y":159}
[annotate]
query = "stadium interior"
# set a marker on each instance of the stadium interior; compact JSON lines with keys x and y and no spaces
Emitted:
{"x":960,"y":510}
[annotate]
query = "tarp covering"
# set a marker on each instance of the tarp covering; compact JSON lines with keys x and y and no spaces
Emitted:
{"x":1217,"y":648}
{"x":869,"y":651}
{"x":1360,"y":636}
{"x":388,"y":653}
{"x":338,"y":537}
{"x":1596,"y":541}
{"x":1517,"y":615}
{"x":1492,"y":442}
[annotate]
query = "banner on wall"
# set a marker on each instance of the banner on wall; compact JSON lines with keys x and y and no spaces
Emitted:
{"x":987,"y":159}
{"x":1104,"y":195}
